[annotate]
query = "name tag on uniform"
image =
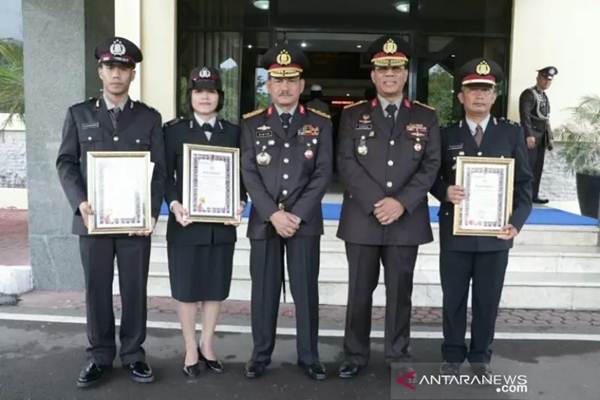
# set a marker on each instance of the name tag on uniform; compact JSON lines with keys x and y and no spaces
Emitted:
{"x":416,"y":130}
{"x":264,"y":131}
{"x":364,"y":123}
{"x":90,"y":125}
{"x":456,"y":146}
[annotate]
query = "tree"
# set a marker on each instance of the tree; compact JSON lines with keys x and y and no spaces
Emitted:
{"x":12,"y":95}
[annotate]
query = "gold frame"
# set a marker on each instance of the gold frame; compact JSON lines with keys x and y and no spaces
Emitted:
{"x":508,"y":187}
{"x":93,"y":229}
{"x":186,"y":193}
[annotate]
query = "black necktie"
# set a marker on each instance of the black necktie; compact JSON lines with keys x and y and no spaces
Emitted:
{"x":391,"y":111}
{"x":285,"y":120}
{"x":478,"y":135}
{"x":114,"y":116}
{"x":206,"y":127}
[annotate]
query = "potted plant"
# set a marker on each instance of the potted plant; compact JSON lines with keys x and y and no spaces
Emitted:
{"x":581,"y":151}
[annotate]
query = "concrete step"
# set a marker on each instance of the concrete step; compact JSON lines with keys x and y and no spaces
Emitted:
{"x":570,"y":291}
{"x":547,"y":235}
{"x":523,"y":258}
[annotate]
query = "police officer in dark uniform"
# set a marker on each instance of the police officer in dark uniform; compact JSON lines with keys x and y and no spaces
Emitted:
{"x":112,"y":122}
{"x":534,"y":109}
{"x":388,"y":158}
{"x":286,"y":168}
{"x":200,"y":254}
{"x":481,"y":260}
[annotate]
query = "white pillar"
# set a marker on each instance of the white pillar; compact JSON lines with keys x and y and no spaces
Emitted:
{"x":128,"y":24}
{"x":560,"y":33}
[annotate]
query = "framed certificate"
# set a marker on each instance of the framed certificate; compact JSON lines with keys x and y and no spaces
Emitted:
{"x":211,"y":183}
{"x":118,"y":184}
{"x":487,"y":207}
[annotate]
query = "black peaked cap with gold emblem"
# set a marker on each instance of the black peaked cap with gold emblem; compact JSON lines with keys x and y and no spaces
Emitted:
{"x":205,"y":78}
{"x":284,"y":61}
{"x":389,"y":51}
{"x":548,"y":72}
{"x":481,"y":71}
{"x":118,"y":50}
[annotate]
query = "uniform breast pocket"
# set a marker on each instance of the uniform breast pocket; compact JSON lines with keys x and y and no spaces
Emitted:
{"x":90,"y":139}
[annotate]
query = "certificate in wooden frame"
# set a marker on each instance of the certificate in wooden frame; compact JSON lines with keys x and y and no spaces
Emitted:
{"x":211,"y":183}
{"x":118,"y":185}
{"x":487,"y":207}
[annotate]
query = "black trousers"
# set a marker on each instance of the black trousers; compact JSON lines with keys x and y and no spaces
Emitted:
{"x":486,"y":270}
{"x":266,"y":268}
{"x":133,"y":258}
{"x":363,"y":268}
{"x":536,"y":162}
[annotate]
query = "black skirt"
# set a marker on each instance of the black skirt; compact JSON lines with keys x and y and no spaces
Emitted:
{"x":200,"y":272}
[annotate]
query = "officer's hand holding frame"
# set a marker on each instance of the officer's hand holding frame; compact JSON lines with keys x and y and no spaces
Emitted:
{"x":487,"y":206}
{"x":119,"y":192}
{"x":211,"y":183}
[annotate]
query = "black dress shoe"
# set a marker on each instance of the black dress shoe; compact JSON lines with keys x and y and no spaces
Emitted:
{"x":537,"y":200}
{"x":91,"y":374}
{"x":349,"y":370}
{"x":450,"y":368}
{"x":214,"y":365}
{"x":140,"y":372}
{"x":192,"y":371}
{"x":482,"y":370}
{"x":254,"y":369}
{"x":314,"y":371}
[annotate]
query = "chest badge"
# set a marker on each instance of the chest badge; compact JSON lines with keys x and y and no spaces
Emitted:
{"x":416,"y":130}
{"x":418,"y":147}
{"x":309,"y":130}
{"x":263,"y":158}
{"x":362,"y":148}
{"x":309,"y":154}
{"x":364,"y":123}
{"x":264,"y":131}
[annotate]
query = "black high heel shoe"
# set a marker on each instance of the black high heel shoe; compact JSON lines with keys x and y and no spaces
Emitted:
{"x":192,"y":371}
{"x":214,"y":365}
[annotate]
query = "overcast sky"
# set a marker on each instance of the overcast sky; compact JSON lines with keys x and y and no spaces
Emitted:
{"x":11,"y":21}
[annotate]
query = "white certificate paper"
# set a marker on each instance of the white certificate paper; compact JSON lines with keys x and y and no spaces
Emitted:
{"x":211,"y":184}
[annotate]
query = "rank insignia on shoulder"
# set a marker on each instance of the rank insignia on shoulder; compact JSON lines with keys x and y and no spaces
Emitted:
{"x":264,"y":131}
{"x":355,"y":104}
{"x":308,"y":130}
{"x":253,"y":113}
{"x":319,"y":112}
{"x":416,"y":130}
{"x":173,"y":121}
{"x":423,"y":105}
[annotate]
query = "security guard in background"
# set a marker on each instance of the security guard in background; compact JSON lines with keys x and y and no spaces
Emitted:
{"x":286,"y":167}
{"x":388,"y":158}
{"x":534,"y":109}
{"x":480,"y":259}
{"x":113,"y":122}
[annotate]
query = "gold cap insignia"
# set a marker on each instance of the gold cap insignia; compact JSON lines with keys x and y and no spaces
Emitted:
{"x":390,"y":47}
{"x":284,"y":58}
{"x":483,"y":68}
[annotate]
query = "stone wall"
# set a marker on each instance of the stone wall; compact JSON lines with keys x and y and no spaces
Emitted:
{"x":13,"y":163}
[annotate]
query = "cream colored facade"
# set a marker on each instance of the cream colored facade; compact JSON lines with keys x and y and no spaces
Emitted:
{"x":544,"y":32}
{"x":559,"y":33}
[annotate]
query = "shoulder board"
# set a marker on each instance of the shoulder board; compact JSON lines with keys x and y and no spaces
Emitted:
{"x":423,"y":105}
{"x":355,"y":104}
{"x":253,"y":113}
{"x":319,"y":112}
{"x":174,"y":121}
{"x":508,"y":121}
